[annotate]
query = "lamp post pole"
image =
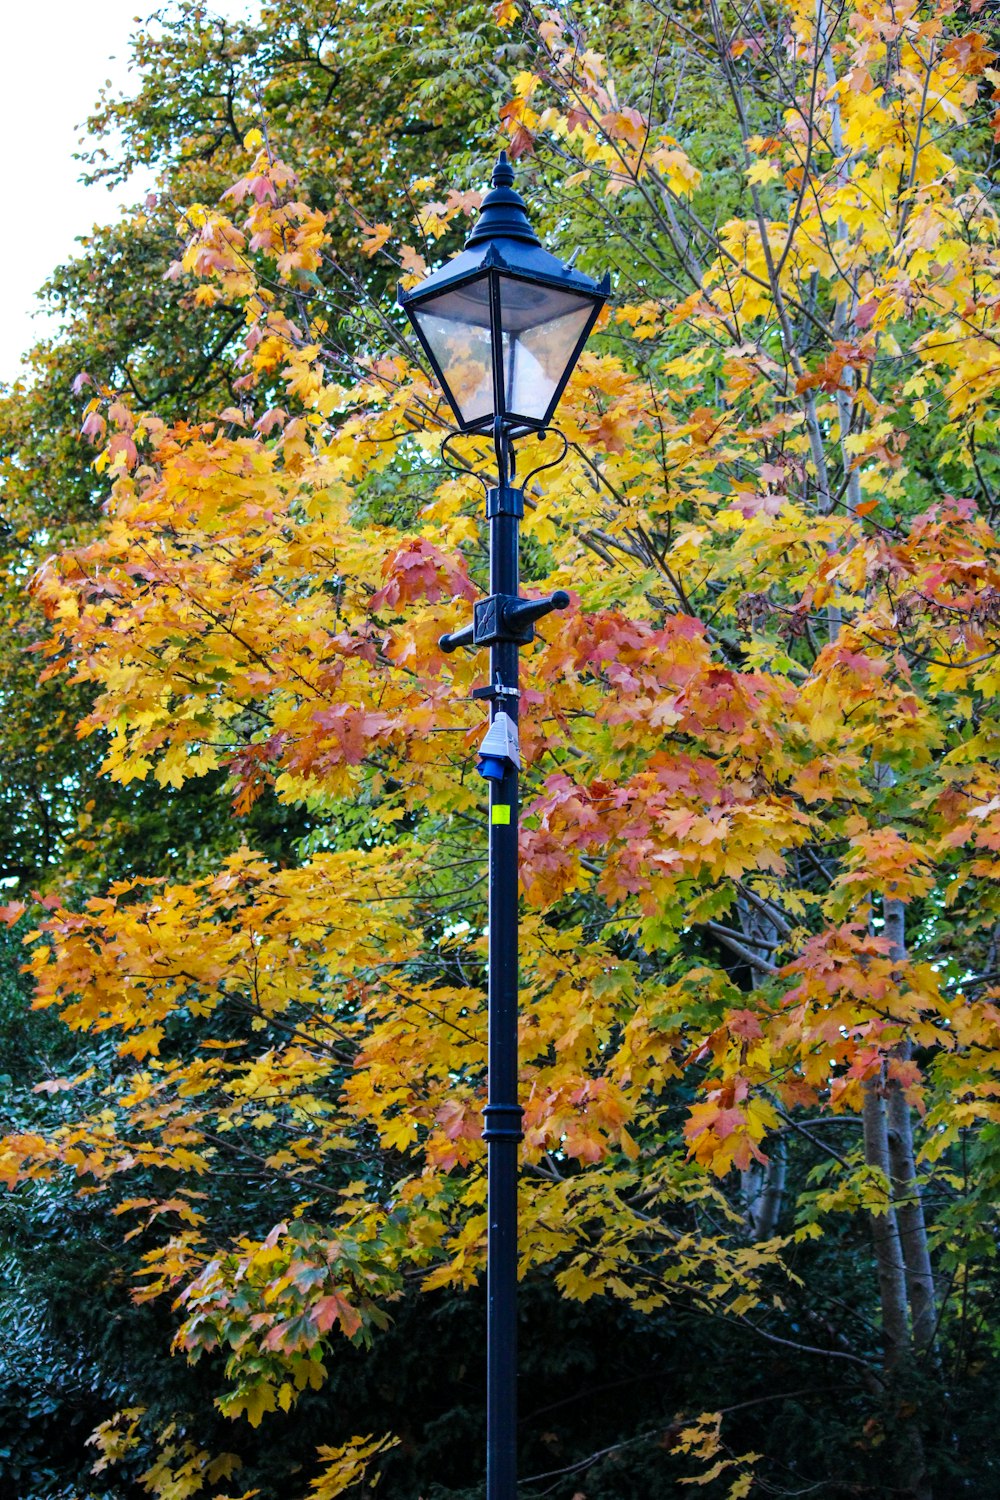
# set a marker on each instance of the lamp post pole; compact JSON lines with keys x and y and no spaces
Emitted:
{"x":502,"y":325}
{"x":502,"y":1130}
{"x":504,"y":622}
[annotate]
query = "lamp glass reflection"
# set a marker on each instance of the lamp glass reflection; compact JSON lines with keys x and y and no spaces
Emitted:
{"x":540,"y":331}
{"x":542,"y":327}
{"x":456,"y":325}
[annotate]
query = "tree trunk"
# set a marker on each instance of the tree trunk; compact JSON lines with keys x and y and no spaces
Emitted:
{"x":909,"y":1462}
{"x":764,"y":1207}
{"x":905,"y":1184}
{"x":763,"y":1184}
{"x":885,"y":1232}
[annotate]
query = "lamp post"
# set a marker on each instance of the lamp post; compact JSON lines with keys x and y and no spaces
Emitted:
{"x":503,"y":324}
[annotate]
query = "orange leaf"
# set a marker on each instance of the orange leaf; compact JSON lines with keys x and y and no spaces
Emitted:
{"x":377,"y":235}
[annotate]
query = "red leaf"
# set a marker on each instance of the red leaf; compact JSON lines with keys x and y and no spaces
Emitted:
{"x":745,"y":1024}
{"x":332,"y":1309}
{"x":522,"y":143}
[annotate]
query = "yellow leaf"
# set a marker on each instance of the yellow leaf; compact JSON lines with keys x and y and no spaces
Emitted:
{"x":255,"y":1400}
{"x":525,"y":84}
{"x":762,"y":172}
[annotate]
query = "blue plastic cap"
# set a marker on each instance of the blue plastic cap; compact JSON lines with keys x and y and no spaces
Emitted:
{"x":492,"y":767}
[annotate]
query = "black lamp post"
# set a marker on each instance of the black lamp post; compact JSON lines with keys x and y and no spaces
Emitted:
{"x":503,"y":325}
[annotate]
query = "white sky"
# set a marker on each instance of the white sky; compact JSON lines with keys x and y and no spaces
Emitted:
{"x":55,"y":57}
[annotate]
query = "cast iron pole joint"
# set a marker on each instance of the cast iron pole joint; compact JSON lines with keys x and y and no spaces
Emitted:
{"x":504,"y":618}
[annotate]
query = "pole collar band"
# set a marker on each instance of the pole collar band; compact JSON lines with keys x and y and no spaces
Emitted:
{"x":504,"y":500}
{"x":507,"y":1126}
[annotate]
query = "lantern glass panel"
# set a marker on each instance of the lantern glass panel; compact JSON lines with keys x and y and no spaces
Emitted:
{"x":542,"y":327}
{"x":456,"y":325}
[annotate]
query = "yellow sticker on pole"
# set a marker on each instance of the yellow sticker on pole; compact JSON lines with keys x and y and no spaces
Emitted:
{"x":500,"y":813}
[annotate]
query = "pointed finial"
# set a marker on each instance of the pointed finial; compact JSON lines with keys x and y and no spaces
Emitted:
{"x":502,"y":215}
{"x":503,"y":172}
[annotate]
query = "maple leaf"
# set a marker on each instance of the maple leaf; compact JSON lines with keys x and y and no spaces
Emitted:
{"x":412,"y":262}
{"x":627,"y":125}
{"x":334,"y":1308}
{"x":614,"y":431}
{"x":421,"y":570}
{"x":761,"y":172}
{"x":970,"y":53}
{"x":375,"y":237}
{"x":743,"y":1023}
{"x":522,"y":143}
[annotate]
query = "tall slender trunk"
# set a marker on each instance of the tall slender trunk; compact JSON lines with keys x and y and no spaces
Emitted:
{"x":889,"y":1262}
{"x":766,"y":1195}
{"x":763,"y":1184}
{"x":905,"y":1184}
{"x":902,"y":1254}
{"x":904,"y":1430}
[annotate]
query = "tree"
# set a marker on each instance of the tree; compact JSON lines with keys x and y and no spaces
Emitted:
{"x":760,"y":902}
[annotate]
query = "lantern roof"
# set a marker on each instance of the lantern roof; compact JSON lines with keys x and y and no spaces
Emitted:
{"x":503,"y":240}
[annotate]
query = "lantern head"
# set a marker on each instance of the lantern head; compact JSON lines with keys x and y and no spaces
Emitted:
{"x":504,"y":322}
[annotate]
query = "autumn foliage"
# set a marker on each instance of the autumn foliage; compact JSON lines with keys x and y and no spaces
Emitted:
{"x":761,"y":808}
